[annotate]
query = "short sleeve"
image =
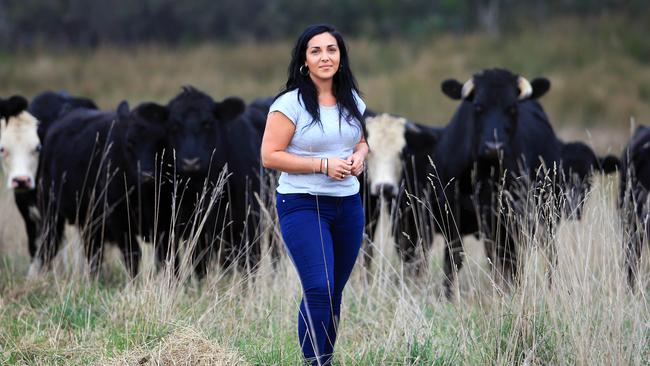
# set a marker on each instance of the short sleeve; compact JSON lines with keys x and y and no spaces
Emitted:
{"x":361,"y":105}
{"x":287,"y":104}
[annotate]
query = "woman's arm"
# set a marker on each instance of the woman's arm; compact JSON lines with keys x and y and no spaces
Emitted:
{"x":277,"y":134}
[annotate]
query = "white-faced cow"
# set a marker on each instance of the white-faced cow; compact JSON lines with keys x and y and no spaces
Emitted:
{"x":19,"y":143}
{"x":19,"y":150}
{"x":396,"y":173}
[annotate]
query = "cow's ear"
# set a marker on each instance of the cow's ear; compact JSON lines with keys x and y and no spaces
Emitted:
{"x":153,"y":112}
{"x":123,"y":110}
{"x":540,"y":87}
{"x":420,"y":139}
{"x":14,"y":105}
{"x":229,"y":108}
{"x":609,"y":164}
{"x":452,"y":88}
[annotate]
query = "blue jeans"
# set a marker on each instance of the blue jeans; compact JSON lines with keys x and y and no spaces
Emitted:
{"x":322,"y":235}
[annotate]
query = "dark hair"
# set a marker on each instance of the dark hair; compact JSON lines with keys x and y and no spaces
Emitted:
{"x":344,"y":84}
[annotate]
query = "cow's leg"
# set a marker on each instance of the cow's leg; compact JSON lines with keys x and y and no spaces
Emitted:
{"x":27,"y":206}
{"x":202,"y":255}
{"x":94,"y":250}
{"x":131,"y":253}
{"x":633,"y":255}
{"x":48,"y":248}
{"x":507,"y":256}
{"x":551,"y":252}
{"x":411,"y":241}
{"x":372,"y":213}
{"x":453,"y":258}
{"x":166,"y":250}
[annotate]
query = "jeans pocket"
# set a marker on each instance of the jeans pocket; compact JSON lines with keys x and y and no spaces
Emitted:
{"x":287,"y":197}
{"x":290,"y":202}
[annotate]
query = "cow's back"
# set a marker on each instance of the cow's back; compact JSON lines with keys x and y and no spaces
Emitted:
{"x":72,"y":154}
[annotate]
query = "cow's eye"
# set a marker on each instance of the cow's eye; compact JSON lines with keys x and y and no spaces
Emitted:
{"x":478,"y":108}
{"x":3,"y":150}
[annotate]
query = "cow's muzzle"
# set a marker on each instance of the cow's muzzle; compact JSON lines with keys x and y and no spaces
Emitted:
{"x":22,"y":182}
{"x":492,"y":149}
{"x":387,"y":191}
{"x":191,"y":165}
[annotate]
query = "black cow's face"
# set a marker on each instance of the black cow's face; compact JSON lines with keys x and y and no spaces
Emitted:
{"x":494,"y":97}
{"x":145,"y":139}
{"x":196,"y":130}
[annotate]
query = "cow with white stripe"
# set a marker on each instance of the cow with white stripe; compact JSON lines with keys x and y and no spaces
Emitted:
{"x":20,"y":150}
{"x":396,"y":175}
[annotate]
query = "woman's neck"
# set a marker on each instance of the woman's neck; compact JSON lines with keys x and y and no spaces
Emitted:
{"x":324,"y":89}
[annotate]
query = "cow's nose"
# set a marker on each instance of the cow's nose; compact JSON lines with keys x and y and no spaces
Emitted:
{"x":21,"y":182}
{"x":387,"y":191}
{"x":191,"y":165}
{"x":492,"y":148}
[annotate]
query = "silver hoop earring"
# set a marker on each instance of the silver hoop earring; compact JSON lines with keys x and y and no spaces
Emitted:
{"x":304,"y":71}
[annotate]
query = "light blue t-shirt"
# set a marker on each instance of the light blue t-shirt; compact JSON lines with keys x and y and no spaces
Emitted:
{"x":317,"y":142}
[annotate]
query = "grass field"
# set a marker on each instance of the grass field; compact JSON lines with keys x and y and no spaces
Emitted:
{"x":588,"y":317}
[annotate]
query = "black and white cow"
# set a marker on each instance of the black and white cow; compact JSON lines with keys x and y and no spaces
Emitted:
{"x":20,"y":150}
{"x":395,"y":174}
{"x":579,"y":164}
{"x":207,"y":136}
{"x":634,"y":207}
{"x":22,"y":145}
{"x":498,"y":146}
{"x":93,"y":172}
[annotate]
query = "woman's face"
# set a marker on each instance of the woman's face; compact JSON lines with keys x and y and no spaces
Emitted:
{"x":323,"y":56}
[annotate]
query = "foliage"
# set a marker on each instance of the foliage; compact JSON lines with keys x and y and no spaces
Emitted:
{"x":89,"y":23}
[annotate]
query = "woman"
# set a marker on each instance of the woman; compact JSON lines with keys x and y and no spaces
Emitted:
{"x":315,"y":135}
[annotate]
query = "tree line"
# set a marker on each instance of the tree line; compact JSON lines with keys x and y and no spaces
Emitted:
{"x":89,"y":23}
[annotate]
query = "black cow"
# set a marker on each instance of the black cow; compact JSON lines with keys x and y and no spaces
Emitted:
{"x":207,"y":136}
{"x":256,"y":113}
{"x":94,"y":167}
{"x":49,"y":106}
{"x":633,"y":199}
{"x":396,"y":175}
{"x":579,"y":163}
{"x":497,"y":146}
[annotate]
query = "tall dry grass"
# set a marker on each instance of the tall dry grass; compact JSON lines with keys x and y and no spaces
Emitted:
{"x":588,"y":316}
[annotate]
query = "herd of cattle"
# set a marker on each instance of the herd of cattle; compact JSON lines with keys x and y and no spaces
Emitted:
{"x":190,"y":172}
